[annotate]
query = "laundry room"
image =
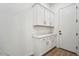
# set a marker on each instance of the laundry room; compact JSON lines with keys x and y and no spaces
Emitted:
{"x":39,"y":29}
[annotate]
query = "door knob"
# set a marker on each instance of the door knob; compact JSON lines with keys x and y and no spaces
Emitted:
{"x":60,"y":33}
{"x":59,"y":30}
{"x":47,"y":42}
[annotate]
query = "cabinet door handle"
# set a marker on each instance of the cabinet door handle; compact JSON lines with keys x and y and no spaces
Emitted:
{"x":76,"y":20}
{"x":47,"y":42}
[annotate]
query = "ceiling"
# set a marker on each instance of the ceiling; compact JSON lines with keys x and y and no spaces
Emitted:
{"x":12,"y":8}
{"x":50,"y":4}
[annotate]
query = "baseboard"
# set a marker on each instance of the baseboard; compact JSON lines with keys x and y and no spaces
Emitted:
{"x":29,"y":54}
{"x":3,"y":53}
{"x":69,"y":51}
{"x":78,"y":54}
{"x":32,"y":55}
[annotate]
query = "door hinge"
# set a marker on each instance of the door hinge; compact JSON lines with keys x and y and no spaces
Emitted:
{"x":76,"y":34}
{"x":76,"y":7}
{"x":76,"y":20}
{"x":76,"y":47}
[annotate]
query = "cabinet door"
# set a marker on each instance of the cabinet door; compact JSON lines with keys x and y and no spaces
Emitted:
{"x":47,"y":17}
{"x":52,"y":19}
{"x":53,"y":40}
{"x":43,"y":46}
{"x":37,"y":46}
{"x":40,"y":15}
{"x":48,"y":43}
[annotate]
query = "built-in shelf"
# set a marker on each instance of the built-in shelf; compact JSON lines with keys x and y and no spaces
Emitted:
{"x":43,"y":26}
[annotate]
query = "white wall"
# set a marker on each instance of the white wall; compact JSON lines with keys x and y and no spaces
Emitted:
{"x":15,"y":29}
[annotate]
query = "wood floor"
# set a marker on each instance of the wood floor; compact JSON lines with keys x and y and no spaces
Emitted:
{"x":60,"y":52}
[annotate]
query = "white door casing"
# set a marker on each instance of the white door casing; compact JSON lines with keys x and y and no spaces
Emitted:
{"x":77,"y":27}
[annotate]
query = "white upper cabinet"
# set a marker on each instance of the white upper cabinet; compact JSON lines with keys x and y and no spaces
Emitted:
{"x":42,"y":16}
{"x":52,"y":19}
{"x":38,"y":15}
{"x":47,"y":18}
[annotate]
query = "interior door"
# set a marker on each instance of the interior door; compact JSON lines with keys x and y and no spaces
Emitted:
{"x":67,"y":27}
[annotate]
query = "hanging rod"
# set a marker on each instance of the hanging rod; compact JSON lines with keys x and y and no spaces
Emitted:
{"x":42,"y":6}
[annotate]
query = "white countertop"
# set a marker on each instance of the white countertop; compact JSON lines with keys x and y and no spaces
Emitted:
{"x":41,"y":36}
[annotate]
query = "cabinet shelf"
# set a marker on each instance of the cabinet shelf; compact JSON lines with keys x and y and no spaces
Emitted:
{"x":43,"y":26}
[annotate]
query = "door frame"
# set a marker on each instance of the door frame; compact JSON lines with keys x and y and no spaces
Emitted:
{"x":77,"y":4}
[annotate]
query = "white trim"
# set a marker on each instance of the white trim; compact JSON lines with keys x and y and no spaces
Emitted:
{"x":68,"y":5}
{"x":42,"y":6}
